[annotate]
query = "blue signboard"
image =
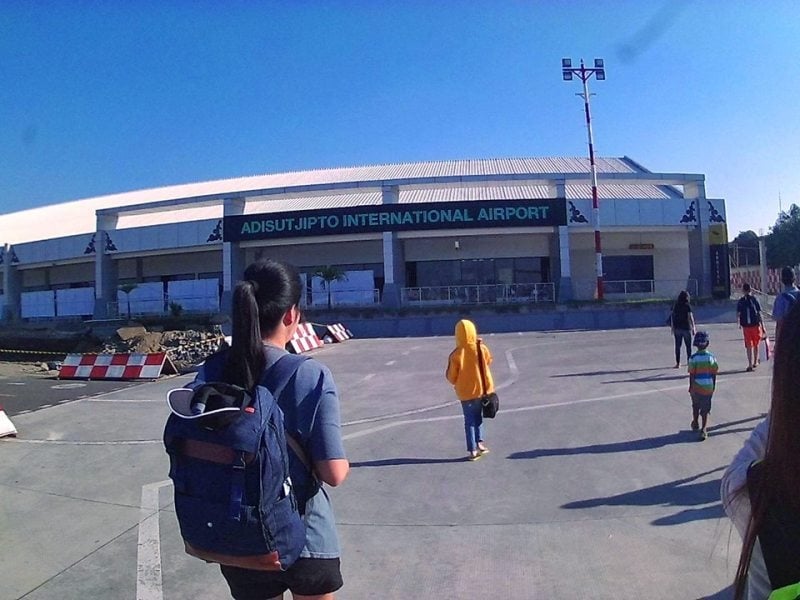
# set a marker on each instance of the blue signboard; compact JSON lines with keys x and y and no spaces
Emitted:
{"x":397,"y":217}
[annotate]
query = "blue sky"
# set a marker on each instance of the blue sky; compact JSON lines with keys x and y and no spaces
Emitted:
{"x":105,"y":97}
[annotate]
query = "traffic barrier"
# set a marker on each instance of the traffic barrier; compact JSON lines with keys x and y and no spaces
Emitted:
{"x":339,"y":332}
{"x":304,"y":339}
{"x":6,"y":426}
{"x":116,"y":366}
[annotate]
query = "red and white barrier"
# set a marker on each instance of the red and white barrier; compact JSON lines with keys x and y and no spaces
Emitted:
{"x":6,"y":426}
{"x":339,"y":332}
{"x":304,"y":339}
{"x":116,"y":366}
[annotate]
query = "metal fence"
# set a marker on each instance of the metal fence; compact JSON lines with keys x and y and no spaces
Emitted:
{"x":518,"y":293}
{"x":635,"y":289}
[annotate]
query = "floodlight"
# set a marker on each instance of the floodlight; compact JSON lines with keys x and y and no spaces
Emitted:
{"x":598,"y":63}
{"x":567,"y":75}
{"x":566,"y":63}
{"x":600,"y":74}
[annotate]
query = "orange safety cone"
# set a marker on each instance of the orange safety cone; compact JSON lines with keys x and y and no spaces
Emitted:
{"x":6,"y":426}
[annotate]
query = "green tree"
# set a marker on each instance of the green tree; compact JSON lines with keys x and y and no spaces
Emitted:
{"x":783,"y":241}
{"x":127,"y":288}
{"x":744,"y":249}
{"x":328,"y":275}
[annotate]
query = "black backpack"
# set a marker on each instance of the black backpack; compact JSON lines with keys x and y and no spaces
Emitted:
{"x":228,"y":454}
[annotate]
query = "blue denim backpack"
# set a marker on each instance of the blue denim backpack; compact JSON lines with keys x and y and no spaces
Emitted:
{"x":228,"y":457}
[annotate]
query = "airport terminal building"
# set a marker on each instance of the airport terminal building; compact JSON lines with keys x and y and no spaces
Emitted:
{"x":484,"y":231}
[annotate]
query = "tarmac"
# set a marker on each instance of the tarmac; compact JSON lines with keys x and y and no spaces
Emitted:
{"x":595,"y":486}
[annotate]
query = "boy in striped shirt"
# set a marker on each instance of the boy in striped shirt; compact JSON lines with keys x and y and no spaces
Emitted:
{"x":702,"y":382}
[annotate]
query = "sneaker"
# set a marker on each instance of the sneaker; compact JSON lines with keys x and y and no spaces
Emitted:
{"x":749,"y":369}
{"x":695,"y":426}
{"x":474,"y":457}
{"x":483,"y":450}
{"x":703,"y":435}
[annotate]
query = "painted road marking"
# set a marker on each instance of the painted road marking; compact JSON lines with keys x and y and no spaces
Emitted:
{"x":148,"y":568}
{"x":67,"y":386}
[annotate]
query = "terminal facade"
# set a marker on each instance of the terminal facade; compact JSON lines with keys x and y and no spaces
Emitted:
{"x":474,"y":231}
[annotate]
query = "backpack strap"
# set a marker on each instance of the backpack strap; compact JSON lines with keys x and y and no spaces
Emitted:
{"x":275,"y":379}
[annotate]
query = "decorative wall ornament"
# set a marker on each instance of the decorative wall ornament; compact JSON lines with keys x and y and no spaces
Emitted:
{"x":90,"y":249}
{"x":713,"y":214}
{"x":575,"y":216}
{"x":14,"y":259}
{"x":690,"y":216}
{"x":216,"y":235}
{"x":110,"y":247}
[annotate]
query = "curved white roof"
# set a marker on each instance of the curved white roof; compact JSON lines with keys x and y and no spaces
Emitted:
{"x":78,"y":217}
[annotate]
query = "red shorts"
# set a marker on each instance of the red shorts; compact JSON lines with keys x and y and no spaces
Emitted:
{"x":752,"y":335}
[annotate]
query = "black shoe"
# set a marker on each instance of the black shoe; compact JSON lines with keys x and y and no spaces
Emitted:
{"x":695,"y":426}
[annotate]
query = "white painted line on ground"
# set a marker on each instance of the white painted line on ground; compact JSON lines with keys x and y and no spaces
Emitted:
{"x":67,"y":386}
{"x":367,"y":377}
{"x":148,"y":567}
{"x":390,"y":363}
{"x":84,"y":443}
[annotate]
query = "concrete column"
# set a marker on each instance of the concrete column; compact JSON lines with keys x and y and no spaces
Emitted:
{"x":394,"y":270}
{"x":12,"y":288}
{"x":699,"y":244}
{"x":232,"y":256}
{"x":105,"y":269}
{"x":562,"y":270}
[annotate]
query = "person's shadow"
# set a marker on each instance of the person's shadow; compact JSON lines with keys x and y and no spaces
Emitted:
{"x":390,"y":462}
{"x":679,"y":437}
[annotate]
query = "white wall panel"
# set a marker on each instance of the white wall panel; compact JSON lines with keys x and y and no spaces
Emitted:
{"x":74,"y":273}
{"x":52,"y":250}
{"x":195,"y":294}
{"x":187,"y":263}
{"x":146,"y":298}
{"x":75,"y":301}
{"x":163,"y":237}
{"x":38,"y":304}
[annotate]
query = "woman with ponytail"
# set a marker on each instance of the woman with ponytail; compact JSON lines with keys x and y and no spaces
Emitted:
{"x":265,"y":315}
{"x":761,"y":488}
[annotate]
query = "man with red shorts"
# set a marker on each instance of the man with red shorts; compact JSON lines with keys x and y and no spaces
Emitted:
{"x":748,"y":314}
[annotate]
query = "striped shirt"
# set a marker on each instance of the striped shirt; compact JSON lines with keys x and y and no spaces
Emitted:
{"x":702,"y":371}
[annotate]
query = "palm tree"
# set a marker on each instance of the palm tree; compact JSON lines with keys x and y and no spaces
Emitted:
{"x":329,"y":274}
{"x":127,"y":288}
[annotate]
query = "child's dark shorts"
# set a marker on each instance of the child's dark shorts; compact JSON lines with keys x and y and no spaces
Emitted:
{"x":701,"y":403}
{"x":306,"y":577}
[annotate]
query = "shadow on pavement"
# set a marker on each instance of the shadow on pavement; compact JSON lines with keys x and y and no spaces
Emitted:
{"x":681,"y":492}
{"x":679,"y":437}
{"x":387,"y":462}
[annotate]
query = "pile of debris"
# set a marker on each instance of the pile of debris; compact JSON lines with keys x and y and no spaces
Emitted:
{"x":185,"y":348}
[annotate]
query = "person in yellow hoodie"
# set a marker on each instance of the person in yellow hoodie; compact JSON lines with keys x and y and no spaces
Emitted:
{"x":463,"y":371}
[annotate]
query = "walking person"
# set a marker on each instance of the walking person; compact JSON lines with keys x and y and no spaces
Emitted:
{"x":786,"y":299}
{"x":471,"y":380}
{"x":759,"y":488}
{"x":265,"y":316}
{"x":748,"y":315}
{"x":682,"y":326}
{"x":703,"y":370}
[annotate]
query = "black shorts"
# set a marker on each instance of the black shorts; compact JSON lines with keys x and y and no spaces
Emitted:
{"x":307,"y":577}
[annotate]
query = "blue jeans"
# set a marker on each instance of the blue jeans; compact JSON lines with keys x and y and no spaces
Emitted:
{"x":682,"y":336}
{"x":473,"y":423}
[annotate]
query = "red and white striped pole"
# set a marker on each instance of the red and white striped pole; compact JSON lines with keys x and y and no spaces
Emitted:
{"x":599,"y":72}
{"x":598,"y":249}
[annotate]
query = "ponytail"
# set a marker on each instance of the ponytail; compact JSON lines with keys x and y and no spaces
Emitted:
{"x":245,"y":360}
{"x":268,"y":290}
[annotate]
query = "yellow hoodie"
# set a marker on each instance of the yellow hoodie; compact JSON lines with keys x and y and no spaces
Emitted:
{"x":462,"y":366}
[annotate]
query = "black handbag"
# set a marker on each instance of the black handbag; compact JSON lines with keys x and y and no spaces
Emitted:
{"x":490,"y":403}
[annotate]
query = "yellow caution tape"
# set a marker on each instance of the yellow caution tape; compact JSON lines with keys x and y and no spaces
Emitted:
{"x":6,"y":351}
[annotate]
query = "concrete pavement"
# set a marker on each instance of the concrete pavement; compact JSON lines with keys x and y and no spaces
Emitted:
{"x":595,"y":486}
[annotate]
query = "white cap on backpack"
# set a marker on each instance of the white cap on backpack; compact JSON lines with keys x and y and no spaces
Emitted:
{"x":180,"y":403}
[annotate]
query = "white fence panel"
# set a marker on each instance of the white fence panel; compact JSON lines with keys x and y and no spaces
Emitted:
{"x":75,"y":301}
{"x":146,"y":298}
{"x":357,"y":289}
{"x":38,"y":304}
{"x":195,"y":294}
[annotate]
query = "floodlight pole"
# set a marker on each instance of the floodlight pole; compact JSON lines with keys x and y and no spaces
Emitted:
{"x":584,"y":74}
